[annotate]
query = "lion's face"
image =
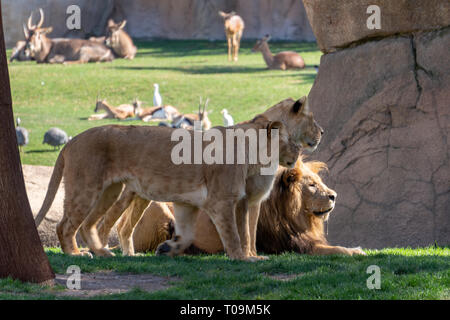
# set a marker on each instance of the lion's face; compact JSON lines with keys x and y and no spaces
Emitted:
{"x":317,"y":200}
{"x":299,"y":122}
{"x":312,"y":132}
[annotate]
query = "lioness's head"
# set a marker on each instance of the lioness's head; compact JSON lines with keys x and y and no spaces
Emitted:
{"x":304,"y":186}
{"x":298,"y":121}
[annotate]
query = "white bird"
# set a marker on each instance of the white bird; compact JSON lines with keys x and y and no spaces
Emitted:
{"x":157,"y":100}
{"x":227,"y":118}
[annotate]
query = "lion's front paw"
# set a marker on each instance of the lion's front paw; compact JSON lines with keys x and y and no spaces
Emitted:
{"x":255,"y":258}
{"x":164,"y":249}
{"x":358,"y":251}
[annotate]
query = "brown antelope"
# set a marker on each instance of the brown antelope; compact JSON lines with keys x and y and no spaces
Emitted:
{"x":120,"y":42}
{"x":121,"y":112}
{"x":187,"y":120}
{"x":63,"y":50}
{"x":282,"y":60}
{"x":234,"y":27}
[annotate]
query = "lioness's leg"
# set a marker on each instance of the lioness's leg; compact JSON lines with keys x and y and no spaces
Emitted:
{"x":222,"y":214}
{"x":89,"y":226}
{"x":185,"y":218}
{"x":129,"y":221}
{"x":242,"y":221}
{"x":113,"y":214}
{"x":253,"y":224}
{"x":67,"y":228}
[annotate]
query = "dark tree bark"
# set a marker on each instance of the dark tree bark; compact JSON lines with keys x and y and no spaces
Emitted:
{"x":21,"y":253}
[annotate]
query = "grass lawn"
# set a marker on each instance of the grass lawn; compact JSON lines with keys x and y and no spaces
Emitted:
{"x":46,"y":96}
{"x":405,"y":274}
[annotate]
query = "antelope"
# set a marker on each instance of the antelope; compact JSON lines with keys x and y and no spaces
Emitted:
{"x":20,"y":52}
{"x":121,"y":112}
{"x":158,"y":113}
{"x":62,"y":50}
{"x":282,"y":60}
{"x":187,"y":120}
{"x":234,"y":27}
{"x":120,"y":42}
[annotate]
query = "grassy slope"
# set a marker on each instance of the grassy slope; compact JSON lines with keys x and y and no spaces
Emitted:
{"x":405,"y":274}
{"x":45,"y":96}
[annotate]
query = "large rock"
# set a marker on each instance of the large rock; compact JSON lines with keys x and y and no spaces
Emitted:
{"x":168,"y":19}
{"x":338,"y":24}
{"x":385,"y":108}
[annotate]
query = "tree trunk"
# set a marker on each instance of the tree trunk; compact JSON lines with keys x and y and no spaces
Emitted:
{"x":21,"y":253}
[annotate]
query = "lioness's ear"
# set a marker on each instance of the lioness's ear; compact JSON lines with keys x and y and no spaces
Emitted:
{"x":301,"y":105}
{"x":273,"y":125}
{"x":111,"y":23}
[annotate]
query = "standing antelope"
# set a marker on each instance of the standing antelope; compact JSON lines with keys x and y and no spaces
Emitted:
{"x":282,"y":60}
{"x":62,"y":50}
{"x":119,"y":40}
{"x":234,"y":27}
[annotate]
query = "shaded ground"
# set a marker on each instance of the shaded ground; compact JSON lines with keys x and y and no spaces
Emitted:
{"x":104,"y":283}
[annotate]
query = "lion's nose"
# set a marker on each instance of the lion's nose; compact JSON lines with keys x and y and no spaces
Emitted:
{"x":332,"y":197}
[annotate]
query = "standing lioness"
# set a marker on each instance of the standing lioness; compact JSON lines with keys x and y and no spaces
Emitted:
{"x":97,"y":162}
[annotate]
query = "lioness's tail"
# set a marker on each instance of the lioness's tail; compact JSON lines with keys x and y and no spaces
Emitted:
{"x":52,"y":189}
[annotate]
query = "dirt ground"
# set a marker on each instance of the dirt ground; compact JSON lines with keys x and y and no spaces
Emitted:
{"x":103,"y":283}
{"x":36,"y":183}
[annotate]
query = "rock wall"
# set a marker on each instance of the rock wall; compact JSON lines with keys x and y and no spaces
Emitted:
{"x":170,"y":19}
{"x":384,"y":102}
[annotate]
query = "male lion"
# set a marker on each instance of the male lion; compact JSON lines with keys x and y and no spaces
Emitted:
{"x":98,"y":161}
{"x":291,"y":219}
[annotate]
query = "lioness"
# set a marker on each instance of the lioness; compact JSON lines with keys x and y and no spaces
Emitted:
{"x":97,"y":162}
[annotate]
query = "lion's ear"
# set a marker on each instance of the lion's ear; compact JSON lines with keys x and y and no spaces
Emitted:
{"x":301,"y":106}
{"x":289,"y":177}
{"x":317,"y":166}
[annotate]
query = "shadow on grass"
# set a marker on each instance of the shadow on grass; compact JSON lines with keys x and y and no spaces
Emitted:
{"x":180,"y":48}
{"x":198,"y":70}
{"x":42,"y":151}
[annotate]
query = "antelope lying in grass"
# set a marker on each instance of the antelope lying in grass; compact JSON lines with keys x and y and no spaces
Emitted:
{"x":234,"y":27}
{"x":63,"y":50}
{"x":187,"y":120}
{"x":20,"y":52}
{"x":281,"y":61}
{"x":120,"y":42}
{"x":121,"y":112}
{"x":157,"y":113}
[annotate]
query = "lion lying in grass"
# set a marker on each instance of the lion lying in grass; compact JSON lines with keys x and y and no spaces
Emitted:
{"x":291,"y":219}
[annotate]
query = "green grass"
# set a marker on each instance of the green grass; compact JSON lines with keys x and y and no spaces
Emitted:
{"x":405,"y":274}
{"x":61,"y":96}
